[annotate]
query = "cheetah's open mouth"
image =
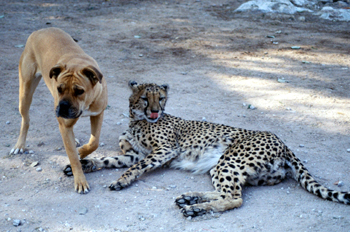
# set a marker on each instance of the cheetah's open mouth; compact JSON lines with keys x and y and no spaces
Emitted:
{"x":153,"y":116}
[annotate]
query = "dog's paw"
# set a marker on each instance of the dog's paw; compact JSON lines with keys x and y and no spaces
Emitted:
{"x":15,"y":151}
{"x":68,"y":170}
{"x":81,"y":186}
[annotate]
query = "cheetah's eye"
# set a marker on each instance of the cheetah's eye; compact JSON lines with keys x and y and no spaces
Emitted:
{"x":144,"y":98}
{"x":161,"y":99}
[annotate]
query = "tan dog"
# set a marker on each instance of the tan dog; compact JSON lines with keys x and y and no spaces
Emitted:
{"x":75,"y":82}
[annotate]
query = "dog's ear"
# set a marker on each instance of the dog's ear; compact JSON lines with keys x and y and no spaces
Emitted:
{"x":93,"y":74}
{"x":133,"y":85}
{"x":56,"y":70}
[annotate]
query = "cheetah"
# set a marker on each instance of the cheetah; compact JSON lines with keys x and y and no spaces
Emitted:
{"x":233,"y":156}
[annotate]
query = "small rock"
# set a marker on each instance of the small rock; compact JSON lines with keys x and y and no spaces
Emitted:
{"x":19,"y":46}
{"x":295,"y":47}
{"x":282,"y":81}
{"x":58,"y":148}
{"x":204,"y":119}
{"x":39,"y":169}
{"x":83,"y":211}
{"x":339,"y":183}
{"x":251,"y":107}
{"x":184,"y":73}
{"x":301,"y":19}
{"x":172,"y":186}
{"x":137,"y":36}
{"x":16,"y":222}
{"x":140,"y":55}
{"x":31,"y":152}
{"x":119,"y":123}
{"x":270,"y":36}
{"x":8,"y":122}
{"x":274,"y":42}
{"x":348,"y":150}
{"x":102,"y":144}
{"x":141,"y":218}
{"x":35,"y":163}
{"x":41,"y":143}
{"x":301,"y":145}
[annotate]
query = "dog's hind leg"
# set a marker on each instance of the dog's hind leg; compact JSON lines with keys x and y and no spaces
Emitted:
{"x":28,"y":81}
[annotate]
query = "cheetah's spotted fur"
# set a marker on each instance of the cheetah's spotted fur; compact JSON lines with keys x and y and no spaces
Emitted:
{"x":233,"y":156}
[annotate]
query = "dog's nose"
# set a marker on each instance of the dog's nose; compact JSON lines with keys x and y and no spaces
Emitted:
{"x":63,"y":109}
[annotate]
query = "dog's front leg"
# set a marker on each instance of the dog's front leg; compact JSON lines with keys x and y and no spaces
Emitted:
{"x":66,"y":129}
{"x":96,"y":124}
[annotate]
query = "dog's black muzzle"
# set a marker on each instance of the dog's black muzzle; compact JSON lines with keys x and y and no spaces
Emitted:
{"x":66,"y":110}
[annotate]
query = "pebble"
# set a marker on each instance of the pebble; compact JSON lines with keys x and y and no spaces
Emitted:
{"x":83,"y":211}
{"x":204,"y":119}
{"x":340,"y":183}
{"x":302,"y":19}
{"x":140,"y":55}
{"x":16,"y":222}
{"x":58,"y":148}
{"x":141,"y":218}
{"x":295,"y":47}
{"x":102,"y":144}
{"x":172,"y":186}
{"x":8,"y":122}
{"x":39,"y":169}
{"x":35,"y":163}
{"x":301,"y":145}
{"x":251,"y":107}
{"x":348,"y":150}
{"x":41,"y":143}
{"x":31,"y":152}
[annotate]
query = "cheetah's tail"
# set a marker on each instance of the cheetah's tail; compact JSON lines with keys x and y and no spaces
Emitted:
{"x":302,"y":175}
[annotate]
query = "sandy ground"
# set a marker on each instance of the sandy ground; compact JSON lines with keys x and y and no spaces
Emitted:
{"x":217,"y":63}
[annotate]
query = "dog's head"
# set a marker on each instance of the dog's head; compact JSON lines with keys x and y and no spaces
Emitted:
{"x":75,"y":87}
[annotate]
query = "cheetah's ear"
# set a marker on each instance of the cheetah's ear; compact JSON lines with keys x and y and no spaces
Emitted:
{"x":133,"y":85}
{"x":165,"y":87}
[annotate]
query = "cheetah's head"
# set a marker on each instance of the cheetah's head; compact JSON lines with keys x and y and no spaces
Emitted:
{"x":147,"y":101}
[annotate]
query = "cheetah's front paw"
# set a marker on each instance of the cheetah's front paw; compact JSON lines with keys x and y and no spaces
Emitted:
{"x":117,"y":185}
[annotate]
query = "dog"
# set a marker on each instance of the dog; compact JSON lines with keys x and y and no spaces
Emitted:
{"x":76,"y":84}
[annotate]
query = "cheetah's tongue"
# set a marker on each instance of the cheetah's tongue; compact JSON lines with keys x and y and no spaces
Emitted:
{"x":154,"y":115}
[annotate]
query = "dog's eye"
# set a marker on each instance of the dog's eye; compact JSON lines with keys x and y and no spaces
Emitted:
{"x":59,"y":89}
{"x":79,"y":92}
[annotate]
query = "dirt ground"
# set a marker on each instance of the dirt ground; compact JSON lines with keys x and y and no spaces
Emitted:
{"x":216,"y":63}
